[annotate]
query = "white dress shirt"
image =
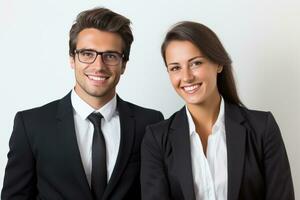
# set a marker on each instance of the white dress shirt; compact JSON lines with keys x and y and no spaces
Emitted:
{"x":110,"y":126}
{"x":209,"y":173}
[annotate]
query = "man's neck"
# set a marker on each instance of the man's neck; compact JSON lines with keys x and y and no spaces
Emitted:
{"x":94,"y":101}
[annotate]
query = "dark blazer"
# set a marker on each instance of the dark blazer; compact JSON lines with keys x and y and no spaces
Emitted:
{"x":44,"y":161}
{"x":258,"y":167}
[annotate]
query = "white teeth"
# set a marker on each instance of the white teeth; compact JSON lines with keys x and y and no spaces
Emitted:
{"x":190,"y":88}
{"x":97,"y":78}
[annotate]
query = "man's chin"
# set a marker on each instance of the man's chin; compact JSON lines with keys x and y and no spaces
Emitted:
{"x":100,"y":94}
{"x":97,"y":94}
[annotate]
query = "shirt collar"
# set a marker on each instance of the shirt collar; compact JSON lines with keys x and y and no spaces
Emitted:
{"x":220,"y":120}
{"x":218,"y":124}
{"x":84,"y":110}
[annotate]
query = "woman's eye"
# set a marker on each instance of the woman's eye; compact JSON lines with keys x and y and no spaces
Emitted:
{"x":174,"y":68}
{"x":196,"y":63}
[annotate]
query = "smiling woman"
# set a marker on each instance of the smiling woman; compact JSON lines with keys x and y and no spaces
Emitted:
{"x":214,"y":147}
{"x":192,"y":75}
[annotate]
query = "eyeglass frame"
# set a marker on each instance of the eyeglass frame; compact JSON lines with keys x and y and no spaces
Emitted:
{"x":77,"y":51}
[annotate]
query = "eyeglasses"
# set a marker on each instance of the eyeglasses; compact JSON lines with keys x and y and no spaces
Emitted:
{"x":88,"y":56}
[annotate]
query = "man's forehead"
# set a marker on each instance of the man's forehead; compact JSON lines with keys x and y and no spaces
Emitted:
{"x":92,"y":37}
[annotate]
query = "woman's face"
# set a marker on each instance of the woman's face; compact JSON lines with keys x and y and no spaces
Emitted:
{"x":193,"y":76}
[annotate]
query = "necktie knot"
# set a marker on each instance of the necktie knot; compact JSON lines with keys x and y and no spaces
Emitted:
{"x":95,"y":118}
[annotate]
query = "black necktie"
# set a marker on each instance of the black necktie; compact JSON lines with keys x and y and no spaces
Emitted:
{"x":99,"y":174}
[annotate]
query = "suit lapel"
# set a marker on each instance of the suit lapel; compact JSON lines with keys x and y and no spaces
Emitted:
{"x":66,"y":130}
{"x":180,"y":141}
{"x":127,"y":124}
{"x":235,"y":138}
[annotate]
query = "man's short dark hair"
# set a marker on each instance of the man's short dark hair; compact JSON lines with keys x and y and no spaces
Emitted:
{"x":102,"y":19}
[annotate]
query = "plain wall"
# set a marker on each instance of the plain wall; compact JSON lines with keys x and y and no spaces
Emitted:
{"x":262,"y":37}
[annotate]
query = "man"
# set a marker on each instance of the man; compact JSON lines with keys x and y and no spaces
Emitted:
{"x":65,"y":150}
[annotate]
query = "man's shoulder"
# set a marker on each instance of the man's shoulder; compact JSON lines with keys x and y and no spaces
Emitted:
{"x":143,"y":115}
{"x":137,"y":109}
{"x":48,"y":109}
{"x":141,"y":109}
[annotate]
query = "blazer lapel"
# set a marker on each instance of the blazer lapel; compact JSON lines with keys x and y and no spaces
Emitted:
{"x":127,"y":124}
{"x":180,"y":141}
{"x":235,"y":137}
{"x":66,"y":130}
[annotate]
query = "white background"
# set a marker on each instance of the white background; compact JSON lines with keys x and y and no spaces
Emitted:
{"x":262,"y":37}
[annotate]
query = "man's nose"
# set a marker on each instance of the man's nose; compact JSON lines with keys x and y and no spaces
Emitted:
{"x":98,"y":62}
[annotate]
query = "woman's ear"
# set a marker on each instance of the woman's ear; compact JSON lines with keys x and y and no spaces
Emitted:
{"x":220,"y":68}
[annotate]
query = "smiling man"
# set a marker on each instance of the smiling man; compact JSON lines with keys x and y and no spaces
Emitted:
{"x":87,"y":144}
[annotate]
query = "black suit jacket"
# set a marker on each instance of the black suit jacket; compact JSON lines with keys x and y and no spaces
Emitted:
{"x":258,"y":167}
{"x":44,"y":161}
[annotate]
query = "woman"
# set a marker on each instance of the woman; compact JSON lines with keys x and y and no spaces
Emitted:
{"x":214,"y":147}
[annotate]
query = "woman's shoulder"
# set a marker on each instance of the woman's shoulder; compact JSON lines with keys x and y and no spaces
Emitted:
{"x":159,"y":133}
{"x":165,"y":124}
{"x":255,"y":115}
{"x":258,"y":119}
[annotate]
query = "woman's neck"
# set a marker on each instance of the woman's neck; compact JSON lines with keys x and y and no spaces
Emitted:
{"x":207,"y":112}
{"x":204,"y":116}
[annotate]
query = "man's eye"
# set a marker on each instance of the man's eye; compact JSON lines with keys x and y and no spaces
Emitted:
{"x":87,"y":54}
{"x":111,"y":56}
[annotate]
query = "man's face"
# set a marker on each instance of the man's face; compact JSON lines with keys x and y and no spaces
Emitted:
{"x":97,"y":80}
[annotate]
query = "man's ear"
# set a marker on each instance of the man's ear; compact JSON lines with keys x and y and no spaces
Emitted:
{"x":72,"y":62}
{"x":123,"y":67}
